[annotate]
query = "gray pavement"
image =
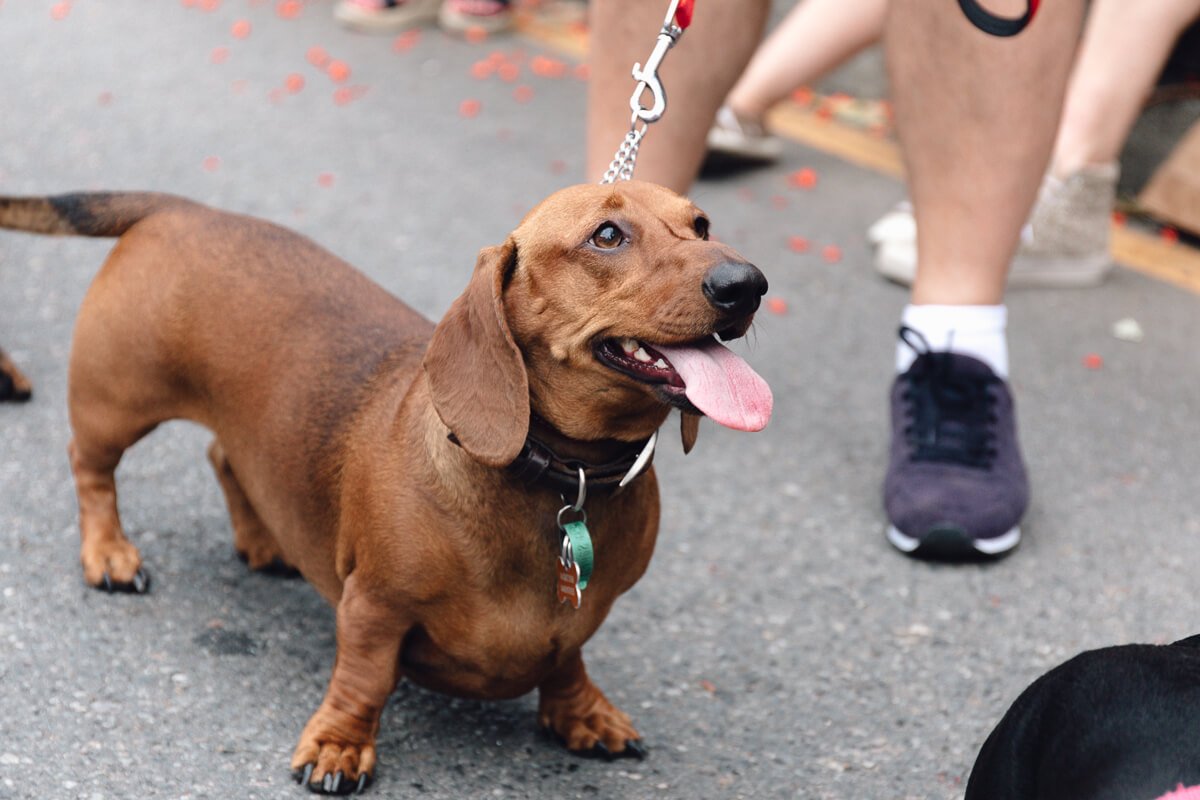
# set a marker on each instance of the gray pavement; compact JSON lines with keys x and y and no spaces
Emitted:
{"x":777,"y":648}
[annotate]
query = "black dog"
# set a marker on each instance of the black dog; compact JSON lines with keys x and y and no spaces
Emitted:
{"x":1120,"y":723}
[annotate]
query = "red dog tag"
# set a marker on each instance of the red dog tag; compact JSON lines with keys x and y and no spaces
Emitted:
{"x":568,"y":583}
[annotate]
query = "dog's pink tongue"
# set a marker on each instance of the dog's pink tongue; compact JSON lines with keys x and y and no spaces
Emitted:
{"x":722,"y":385}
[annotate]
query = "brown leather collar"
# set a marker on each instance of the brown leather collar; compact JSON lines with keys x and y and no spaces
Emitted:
{"x":538,"y":464}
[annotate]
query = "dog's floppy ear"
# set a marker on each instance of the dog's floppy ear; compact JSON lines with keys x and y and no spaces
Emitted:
{"x":475,"y":370}
{"x":689,"y":429}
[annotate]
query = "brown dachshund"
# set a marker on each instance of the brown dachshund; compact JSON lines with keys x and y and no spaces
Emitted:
{"x":420,"y":477}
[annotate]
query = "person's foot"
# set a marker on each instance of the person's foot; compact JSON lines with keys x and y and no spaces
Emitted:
{"x":1064,"y":245}
{"x":489,"y":16}
{"x":742,"y":138}
{"x":385,"y":16}
{"x":956,"y":487}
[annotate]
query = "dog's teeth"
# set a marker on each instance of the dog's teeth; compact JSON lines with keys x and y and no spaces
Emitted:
{"x":630,"y":346}
{"x":661,"y":364}
{"x":641,"y":355}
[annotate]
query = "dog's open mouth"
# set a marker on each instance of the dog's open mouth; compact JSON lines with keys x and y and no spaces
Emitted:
{"x":703,"y":375}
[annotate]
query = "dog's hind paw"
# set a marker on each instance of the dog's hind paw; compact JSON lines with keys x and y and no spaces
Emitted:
{"x":589,"y":725}
{"x":332,"y":767}
{"x":138,"y":584}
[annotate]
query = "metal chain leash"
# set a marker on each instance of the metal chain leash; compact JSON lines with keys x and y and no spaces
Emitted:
{"x":679,"y":16}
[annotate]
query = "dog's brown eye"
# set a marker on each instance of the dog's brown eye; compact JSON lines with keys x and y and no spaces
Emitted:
{"x":701,"y":225}
{"x":608,"y":236}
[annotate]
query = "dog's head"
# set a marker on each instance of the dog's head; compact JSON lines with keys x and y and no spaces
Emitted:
{"x":600,"y":312}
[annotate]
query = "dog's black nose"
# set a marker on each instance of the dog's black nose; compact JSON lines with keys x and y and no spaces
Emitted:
{"x":735,"y":287}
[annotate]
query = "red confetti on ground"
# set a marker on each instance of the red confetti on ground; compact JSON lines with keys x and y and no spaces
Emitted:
{"x":293,"y":82}
{"x":1169,"y":235}
{"x":325,"y":179}
{"x":288,"y":9}
{"x":60,"y":10}
{"x":406,"y":40}
{"x":798,"y":244}
{"x":545,"y":67}
{"x":105,"y":98}
{"x":209,"y":5}
{"x":831,"y":253}
{"x":523,"y":94}
{"x":1118,"y":218}
{"x":779,"y":201}
{"x":777,"y":305}
{"x":317,"y":56}
{"x":582,"y":71}
{"x":508,"y":72}
{"x":708,"y":687}
{"x":211,"y":163}
{"x":219,"y":55}
{"x":802,"y":96}
{"x":240,"y":29}
{"x":339,"y":71}
{"x":469,"y":108}
{"x":558,"y":166}
{"x":482,"y":70}
{"x":348,"y":94}
{"x":803,"y":178}
{"x":475,"y":34}
{"x":1093,"y":361}
{"x":825,"y":112}
{"x":275,"y":96}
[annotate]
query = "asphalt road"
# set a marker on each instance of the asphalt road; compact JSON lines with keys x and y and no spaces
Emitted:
{"x":777,"y":648}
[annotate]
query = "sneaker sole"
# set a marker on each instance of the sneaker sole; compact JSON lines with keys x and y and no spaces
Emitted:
{"x":732,"y":144}
{"x":388,"y":20}
{"x":898,"y":264}
{"x":950,"y":543}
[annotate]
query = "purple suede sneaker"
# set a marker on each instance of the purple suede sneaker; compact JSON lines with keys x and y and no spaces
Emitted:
{"x":956,"y":487}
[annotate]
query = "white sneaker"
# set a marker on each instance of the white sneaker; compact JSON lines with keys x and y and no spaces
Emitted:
{"x":731,"y":135}
{"x":385,"y":16}
{"x":1065,"y":244}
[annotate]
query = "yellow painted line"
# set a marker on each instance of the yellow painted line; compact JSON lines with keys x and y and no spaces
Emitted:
{"x":1171,"y":262}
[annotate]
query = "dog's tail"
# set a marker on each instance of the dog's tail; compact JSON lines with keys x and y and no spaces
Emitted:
{"x":82,"y":214}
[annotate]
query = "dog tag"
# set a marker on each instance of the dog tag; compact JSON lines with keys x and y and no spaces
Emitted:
{"x":568,"y":583}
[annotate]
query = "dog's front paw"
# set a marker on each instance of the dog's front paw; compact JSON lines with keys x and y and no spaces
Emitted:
{"x":325,"y":763}
{"x":589,"y":725}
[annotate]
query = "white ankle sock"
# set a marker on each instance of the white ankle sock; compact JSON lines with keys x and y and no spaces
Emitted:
{"x":976,"y":331}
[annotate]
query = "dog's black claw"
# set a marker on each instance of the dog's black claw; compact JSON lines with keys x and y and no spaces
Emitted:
{"x":635,"y":749}
{"x":139,"y":585}
{"x":302,"y":777}
{"x":327,"y":783}
{"x":337,"y":782}
{"x":106,"y":583}
{"x":601,"y":749}
{"x":141,"y":582}
{"x":364,"y":781}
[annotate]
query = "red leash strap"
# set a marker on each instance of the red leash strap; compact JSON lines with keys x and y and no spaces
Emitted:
{"x":988,"y":22}
{"x":683,"y":13}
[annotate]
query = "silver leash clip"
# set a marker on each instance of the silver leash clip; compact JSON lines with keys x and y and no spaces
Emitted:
{"x":647,"y":76}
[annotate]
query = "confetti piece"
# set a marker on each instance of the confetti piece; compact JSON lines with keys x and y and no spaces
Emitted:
{"x":240,"y":29}
{"x":275,"y":96}
{"x":469,"y":108}
{"x":777,"y":305}
{"x":708,"y":686}
{"x":798,"y":244}
{"x":831,"y":253}
{"x":475,"y":34}
{"x":803,"y":178}
{"x":802,"y":96}
{"x":1119,"y":219}
{"x":1128,"y":330}
{"x":345,"y":95}
{"x":211,"y":163}
{"x":59,"y":11}
{"x":545,"y":67}
{"x":105,"y":98}
{"x":219,"y":55}
{"x":779,"y":201}
{"x":325,"y":179}
{"x":824,"y":112}
{"x":406,"y":40}
{"x":508,"y":72}
{"x":523,"y":94}
{"x":317,"y":56}
{"x":1169,"y":235}
{"x":288,"y":9}
{"x":209,"y":5}
{"x":294,"y":82}
{"x":482,"y":70}
{"x":1093,"y":361}
{"x":339,"y":71}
